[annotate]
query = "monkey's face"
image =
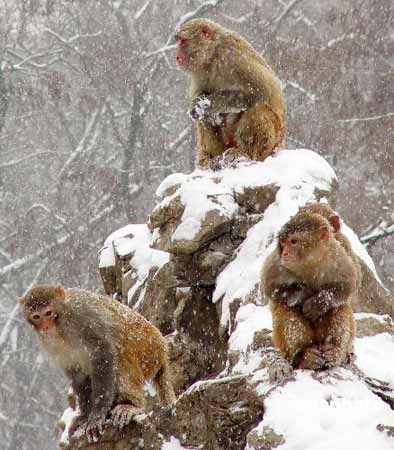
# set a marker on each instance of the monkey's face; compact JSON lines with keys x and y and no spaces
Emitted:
{"x":44,"y":320}
{"x":195,"y":45}
{"x":301,"y":250}
{"x":42,"y":307}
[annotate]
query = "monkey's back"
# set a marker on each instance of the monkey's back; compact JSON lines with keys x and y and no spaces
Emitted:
{"x":137,"y":342}
{"x":250,"y":60}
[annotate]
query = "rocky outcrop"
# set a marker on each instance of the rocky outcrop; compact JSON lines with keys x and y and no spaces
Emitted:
{"x":193,"y":270}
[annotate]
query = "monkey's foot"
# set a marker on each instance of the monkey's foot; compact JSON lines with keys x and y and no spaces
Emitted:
{"x":77,"y":422}
{"x":332,"y":355}
{"x":95,"y":428}
{"x":313,"y":359}
{"x":121,"y":415}
{"x":230,"y":158}
{"x":216,"y":163}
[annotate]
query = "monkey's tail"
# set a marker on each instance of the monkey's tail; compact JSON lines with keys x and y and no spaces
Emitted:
{"x":163,"y":384}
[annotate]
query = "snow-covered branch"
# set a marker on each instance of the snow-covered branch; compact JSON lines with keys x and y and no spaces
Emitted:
{"x":366,"y":119}
{"x":285,"y":12}
{"x":30,"y":59}
{"x":14,"y":162}
{"x":86,"y":143}
{"x":379,"y":232}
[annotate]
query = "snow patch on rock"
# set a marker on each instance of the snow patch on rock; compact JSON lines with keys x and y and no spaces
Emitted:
{"x":374,"y":356}
{"x":340,"y":414}
{"x":134,"y":240}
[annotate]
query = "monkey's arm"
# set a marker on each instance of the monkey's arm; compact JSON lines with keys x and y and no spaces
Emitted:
{"x":328,"y":297}
{"x":279,"y":285}
{"x":212,"y":107}
{"x":82,"y":389}
{"x":80,"y":384}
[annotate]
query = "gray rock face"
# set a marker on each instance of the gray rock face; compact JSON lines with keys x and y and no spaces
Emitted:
{"x":194,"y":271}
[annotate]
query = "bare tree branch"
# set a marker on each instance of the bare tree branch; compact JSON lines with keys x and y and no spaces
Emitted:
{"x":381,"y":231}
{"x":366,"y":119}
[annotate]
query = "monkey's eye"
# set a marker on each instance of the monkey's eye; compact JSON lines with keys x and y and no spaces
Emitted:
{"x":293,"y":241}
{"x":48,"y":313}
{"x":181,"y":41}
{"x":206,"y":32}
{"x":35,"y":316}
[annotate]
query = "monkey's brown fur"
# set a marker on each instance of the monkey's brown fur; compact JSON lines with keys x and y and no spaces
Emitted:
{"x":107,"y":350}
{"x":326,"y":342}
{"x":315,"y":328}
{"x":242,"y":90}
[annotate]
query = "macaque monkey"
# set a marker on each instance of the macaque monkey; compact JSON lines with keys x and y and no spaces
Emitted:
{"x":107,"y":350}
{"x":237,"y":100}
{"x":310,"y":279}
{"x":324,"y":210}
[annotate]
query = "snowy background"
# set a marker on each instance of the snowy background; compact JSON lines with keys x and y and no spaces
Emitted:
{"x":92,"y":119}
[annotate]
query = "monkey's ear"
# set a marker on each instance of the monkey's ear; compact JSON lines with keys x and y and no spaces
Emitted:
{"x":207,"y":32}
{"x":59,"y":292}
{"x":324,"y":233}
{"x":335,"y":222}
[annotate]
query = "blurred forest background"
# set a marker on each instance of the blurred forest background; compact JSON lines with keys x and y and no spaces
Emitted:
{"x":93,"y":117}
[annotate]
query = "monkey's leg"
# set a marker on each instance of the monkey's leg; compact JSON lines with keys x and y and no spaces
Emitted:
{"x":103,"y":387}
{"x":83,"y":391}
{"x":291,"y":332}
{"x":164,"y":385}
{"x":260,"y":131}
{"x":312,"y":358}
{"x":130,"y":399}
{"x":336,"y":332}
{"x":123,"y":414}
{"x":209,"y":143}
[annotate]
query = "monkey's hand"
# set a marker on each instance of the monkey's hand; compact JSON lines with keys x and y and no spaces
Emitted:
{"x":318,"y":305}
{"x":201,"y":107}
{"x":291,"y":295}
{"x":295,"y":294}
{"x":95,"y":427}
{"x":121,"y":415}
{"x":332,"y":354}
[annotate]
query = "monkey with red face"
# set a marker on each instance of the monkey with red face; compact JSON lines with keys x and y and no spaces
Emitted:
{"x":237,"y":100}
{"x":310,"y":279}
{"x":107,"y":350}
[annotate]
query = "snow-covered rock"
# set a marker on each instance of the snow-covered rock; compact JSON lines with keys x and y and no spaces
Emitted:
{"x":195,"y":273}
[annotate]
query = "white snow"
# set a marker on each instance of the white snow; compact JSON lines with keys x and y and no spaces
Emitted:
{"x":359,"y":249}
{"x":340,"y":415}
{"x":202,"y":191}
{"x":375,"y":356}
{"x":67,"y":419}
{"x":134,"y":240}
{"x":250,"y":319}
{"x":173,"y":444}
{"x":383,"y":318}
{"x":200,"y":195}
{"x":170,"y":181}
{"x":298,"y":174}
